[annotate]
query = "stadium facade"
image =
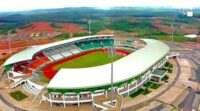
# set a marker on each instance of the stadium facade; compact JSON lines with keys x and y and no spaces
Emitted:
{"x":81,"y":85}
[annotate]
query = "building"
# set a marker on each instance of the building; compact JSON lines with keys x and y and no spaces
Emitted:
{"x":81,"y":85}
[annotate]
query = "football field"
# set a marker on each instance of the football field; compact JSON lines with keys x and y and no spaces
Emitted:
{"x":96,"y":58}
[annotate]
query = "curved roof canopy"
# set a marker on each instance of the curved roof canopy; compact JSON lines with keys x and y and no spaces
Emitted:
{"x":126,"y":68}
{"x":29,"y":52}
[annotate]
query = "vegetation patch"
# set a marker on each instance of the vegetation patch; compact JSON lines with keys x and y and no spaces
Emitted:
{"x":97,"y":26}
{"x":18,"y":95}
{"x":176,"y":38}
{"x":155,"y":85}
{"x":148,"y":84}
{"x":169,"y":70}
{"x":128,"y":26}
{"x":63,"y":36}
{"x":166,"y":64}
{"x":80,"y":34}
{"x":138,"y":92}
{"x":146,"y":91}
{"x":165,"y":78}
{"x":54,"y":25}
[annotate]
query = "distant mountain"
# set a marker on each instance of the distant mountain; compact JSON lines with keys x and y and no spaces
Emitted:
{"x":81,"y":15}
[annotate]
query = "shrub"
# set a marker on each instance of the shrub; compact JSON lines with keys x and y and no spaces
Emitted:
{"x":169,"y":70}
{"x":165,"y":78}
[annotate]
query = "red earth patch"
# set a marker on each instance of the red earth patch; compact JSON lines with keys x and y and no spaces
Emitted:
{"x":38,"y":27}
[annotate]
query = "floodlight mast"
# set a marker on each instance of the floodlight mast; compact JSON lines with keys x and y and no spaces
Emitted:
{"x":172,"y":33}
{"x":112,"y":89}
{"x":89,"y":27}
{"x":9,"y":40}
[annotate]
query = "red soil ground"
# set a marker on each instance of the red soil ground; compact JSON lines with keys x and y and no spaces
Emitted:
{"x":190,"y":44}
{"x":186,"y":28}
{"x":17,"y":46}
{"x":38,"y":27}
{"x":157,"y":21}
{"x":106,"y":31}
{"x":49,"y":72}
{"x":21,"y":43}
{"x":71,"y":28}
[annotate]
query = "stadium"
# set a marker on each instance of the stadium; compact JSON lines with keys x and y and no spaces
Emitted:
{"x":76,"y":70}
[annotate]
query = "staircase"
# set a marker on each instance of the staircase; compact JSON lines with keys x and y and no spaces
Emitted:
{"x":15,"y":84}
{"x":100,"y":102}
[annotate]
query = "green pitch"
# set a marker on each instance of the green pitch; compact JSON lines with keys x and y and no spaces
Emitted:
{"x":90,"y":60}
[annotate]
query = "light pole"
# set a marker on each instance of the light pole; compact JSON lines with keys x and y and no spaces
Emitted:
{"x":111,"y":80}
{"x":9,"y":40}
{"x":172,"y":33}
{"x":89,"y":27}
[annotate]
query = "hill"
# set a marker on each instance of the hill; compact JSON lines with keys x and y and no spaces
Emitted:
{"x":143,"y":22}
{"x":49,"y":27}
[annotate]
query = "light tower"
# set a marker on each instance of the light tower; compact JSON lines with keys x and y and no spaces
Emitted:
{"x":111,"y":80}
{"x":172,"y":33}
{"x":9,"y":40}
{"x":89,"y":27}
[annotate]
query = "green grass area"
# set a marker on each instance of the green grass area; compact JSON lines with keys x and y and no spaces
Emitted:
{"x":169,"y":70}
{"x":80,"y":34}
{"x":54,"y":25}
{"x":152,"y":85}
{"x":8,"y":68}
{"x":177,"y":38}
{"x":155,"y":85}
{"x":63,"y":36}
{"x":97,"y":25}
{"x":138,"y":92}
{"x":44,"y":78}
{"x":169,"y":67}
{"x":18,"y":95}
{"x":148,"y":84}
{"x":5,"y":32}
{"x":128,"y":26}
{"x":167,"y":64}
{"x":165,"y":78}
{"x":90,"y":60}
{"x":146,"y":91}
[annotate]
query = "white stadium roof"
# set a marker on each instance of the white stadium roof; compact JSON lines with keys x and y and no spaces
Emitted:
{"x":128,"y":67}
{"x":29,"y":52}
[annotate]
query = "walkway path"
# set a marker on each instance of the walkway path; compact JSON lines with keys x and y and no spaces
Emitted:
{"x":12,"y":106}
{"x":159,"y":94}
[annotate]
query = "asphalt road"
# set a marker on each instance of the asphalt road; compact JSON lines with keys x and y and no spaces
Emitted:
{"x":186,"y":104}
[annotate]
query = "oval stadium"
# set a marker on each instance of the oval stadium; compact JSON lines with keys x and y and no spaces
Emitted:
{"x":76,"y":70}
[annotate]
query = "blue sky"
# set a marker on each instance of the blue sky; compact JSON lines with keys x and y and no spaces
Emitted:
{"x":19,"y":5}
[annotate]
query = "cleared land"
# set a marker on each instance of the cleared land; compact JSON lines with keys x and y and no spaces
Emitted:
{"x":90,"y":60}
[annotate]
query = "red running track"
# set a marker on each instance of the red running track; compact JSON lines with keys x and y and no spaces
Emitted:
{"x":49,"y":72}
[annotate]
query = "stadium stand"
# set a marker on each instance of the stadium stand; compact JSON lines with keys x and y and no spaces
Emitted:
{"x":56,"y":57}
{"x":94,"y":44}
{"x":66,"y":53}
{"x":61,"y":52}
{"x":28,"y":66}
